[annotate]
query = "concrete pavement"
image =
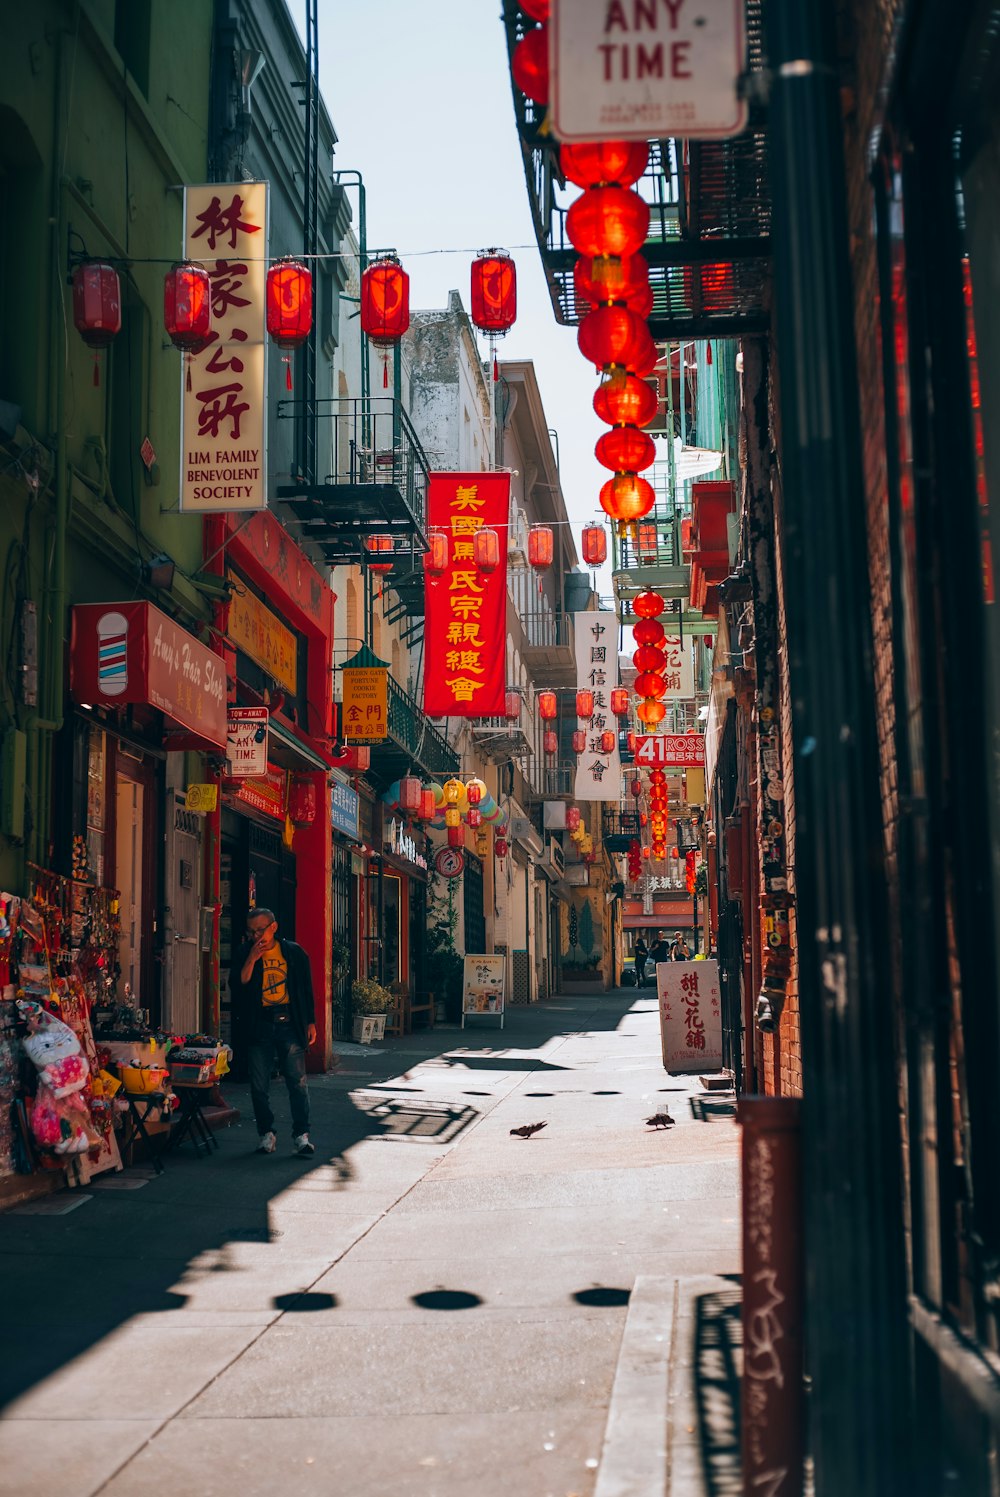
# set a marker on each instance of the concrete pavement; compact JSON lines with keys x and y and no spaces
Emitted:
{"x":429,"y":1308}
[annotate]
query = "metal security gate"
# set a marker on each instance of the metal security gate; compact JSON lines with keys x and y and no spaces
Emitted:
{"x":475,"y":919}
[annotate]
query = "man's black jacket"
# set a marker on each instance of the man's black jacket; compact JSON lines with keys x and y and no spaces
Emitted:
{"x":246,"y":997}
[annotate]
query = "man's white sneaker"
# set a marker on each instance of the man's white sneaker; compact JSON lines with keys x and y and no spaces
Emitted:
{"x":268,"y":1143}
{"x":302,"y":1145}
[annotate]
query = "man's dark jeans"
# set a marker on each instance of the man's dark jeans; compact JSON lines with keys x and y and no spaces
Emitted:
{"x":277,"y":1041}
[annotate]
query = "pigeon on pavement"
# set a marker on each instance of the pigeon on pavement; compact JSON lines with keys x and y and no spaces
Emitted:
{"x":527,"y":1130}
{"x":660,"y":1120}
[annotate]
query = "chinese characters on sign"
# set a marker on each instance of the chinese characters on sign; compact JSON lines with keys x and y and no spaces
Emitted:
{"x":678,"y":671}
{"x":595,"y":640}
{"x":365,"y":706}
{"x":246,"y":742}
{"x":465,"y":609}
{"x":638,"y":71}
{"x":262,"y":635}
{"x":222,"y":430}
{"x":690,"y":1015}
{"x":671,"y":750}
{"x":344,"y":808}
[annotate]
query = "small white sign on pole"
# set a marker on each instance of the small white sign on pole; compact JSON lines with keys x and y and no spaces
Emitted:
{"x":690,"y":1015}
{"x":246,"y":742}
{"x":645,"y":69}
{"x":483,"y":985}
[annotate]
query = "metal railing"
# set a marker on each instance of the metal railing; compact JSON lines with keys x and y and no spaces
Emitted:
{"x":619,"y":823}
{"x":372,"y":441}
{"x":545,"y":628}
{"x":414,"y":732}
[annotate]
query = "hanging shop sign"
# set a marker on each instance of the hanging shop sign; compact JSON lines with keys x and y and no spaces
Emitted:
{"x":259,"y":633}
{"x":465,"y":609}
{"x":678,"y":669}
{"x":223,"y":458}
{"x":631,"y":71}
{"x":201,"y":798}
{"x":449,"y":861}
{"x":246,"y":741}
{"x":345,"y":806}
{"x":122,"y":654}
{"x":265,"y":793}
{"x":595,"y":638}
{"x":670,"y":750}
{"x":365,"y":703}
{"x":690,"y":1015}
{"x":402,"y":844}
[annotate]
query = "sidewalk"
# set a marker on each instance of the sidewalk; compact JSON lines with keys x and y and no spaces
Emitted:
{"x":429,"y":1308}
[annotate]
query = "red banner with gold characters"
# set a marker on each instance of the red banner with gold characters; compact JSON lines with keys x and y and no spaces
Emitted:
{"x":465,"y":611}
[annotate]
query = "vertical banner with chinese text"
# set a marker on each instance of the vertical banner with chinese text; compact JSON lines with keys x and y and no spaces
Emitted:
{"x":595,"y":640}
{"x":690,"y":1015}
{"x":223,"y":458}
{"x":678,"y":671}
{"x":465,"y":610}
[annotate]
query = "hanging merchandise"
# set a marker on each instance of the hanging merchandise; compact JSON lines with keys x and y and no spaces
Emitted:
{"x":540,"y":547}
{"x":494,"y":297}
{"x":529,"y":65}
{"x":97,"y":306}
{"x":385,"y":306}
{"x":289,"y":299}
{"x":594,"y":544}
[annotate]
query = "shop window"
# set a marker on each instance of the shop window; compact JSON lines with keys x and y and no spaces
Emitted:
{"x":126,"y":387}
{"x":132,"y":38}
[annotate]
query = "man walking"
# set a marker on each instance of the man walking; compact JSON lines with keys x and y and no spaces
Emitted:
{"x":640,"y":953}
{"x":271,"y":984}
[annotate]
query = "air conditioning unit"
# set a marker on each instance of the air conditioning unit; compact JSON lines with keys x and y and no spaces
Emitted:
{"x":517,"y":539}
{"x":522,"y":831}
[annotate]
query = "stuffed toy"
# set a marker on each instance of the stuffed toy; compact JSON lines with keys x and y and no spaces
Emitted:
{"x":60,"y":1118}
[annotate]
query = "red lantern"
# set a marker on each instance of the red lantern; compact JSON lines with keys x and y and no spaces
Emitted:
{"x":97,"y":303}
{"x":649,"y":658}
{"x":646,"y":541}
{"x":385,"y":301}
{"x":611,"y":337}
{"x":436,"y":555}
{"x":636,"y":788}
{"x":494,"y":292}
{"x":428,"y":806}
{"x":380,"y":546}
{"x":585,"y":703}
{"x":474,"y":816}
{"x":646,"y":852}
{"x":456,"y":836}
{"x":540,"y":547}
{"x":608,"y":221}
{"x":486,"y":550}
{"x":608,"y":741}
{"x":626,"y":402}
{"x":625,"y":449}
{"x":592,"y":164}
{"x":500,"y":847}
{"x":601,"y":280}
{"x":538,"y":10}
{"x":362,"y":755}
{"x":648,"y":631}
{"x":619,"y":701}
{"x":572,"y":818}
{"x":474,"y":792}
{"x":410,"y":792}
{"x":187,"y":306}
{"x":626,"y":497}
{"x":648,"y":605}
{"x":651,"y":713}
{"x":547,"y":705}
{"x":649,"y":684}
{"x":643,"y":819}
{"x":302,"y":802}
{"x":529,"y":65}
{"x":595,"y":545}
{"x":289,"y":301}
{"x":630,"y":738}
{"x":512,"y":706}
{"x":715,"y":286}
{"x":550,"y":743}
{"x":579,"y":741}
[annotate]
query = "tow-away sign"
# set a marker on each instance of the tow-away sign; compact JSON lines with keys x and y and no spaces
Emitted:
{"x":645,"y":69}
{"x":670,"y":750}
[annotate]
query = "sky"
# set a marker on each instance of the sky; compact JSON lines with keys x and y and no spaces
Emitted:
{"x":420,"y":98}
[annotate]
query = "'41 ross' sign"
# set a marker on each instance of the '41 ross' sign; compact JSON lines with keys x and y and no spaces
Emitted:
{"x":670,"y":750}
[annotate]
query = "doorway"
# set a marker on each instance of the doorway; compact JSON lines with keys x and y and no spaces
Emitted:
{"x":130,"y":808}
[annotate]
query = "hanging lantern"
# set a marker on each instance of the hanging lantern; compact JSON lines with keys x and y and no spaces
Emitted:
{"x":548,"y":706}
{"x":289,"y":302}
{"x":379,"y":548}
{"x":456,"y":836}
{"x":603,"y":280}
{"x":651,"y":713}
{"x":619,"y":701}
{"x":452,"y":792}
{"x":494,"y":292}
{"x":550,"y":743}
{"x":657,"y":777}
{"x":452,"y":816}
{"x":648,"y":631}
{"x":611,"y":337}
{"x":410,"y":793}
{"x":538,"y":10}
{"x":595,"y":545}
{"x":625,"y":449}
{"x":97,"y":306}
{"x":649,"y":658}
{"x":608,"y":221}
{"x":428,"y":806}
{"x":584,"y":703}
{"x":540,"y":547}
{"x":643,"y":818}
{"x":187,"y":306}
{"x":630,"y":738}
{"x":608,"y":741}
{"x":646,"y":852}
{"x":648,"y":605}
{"x":474,"y":816}
{"x":626,"y":498}
{"x":649,"y":684}
{"x":474,"y":792}
{"x":500,"y":848}
{"x":572,"y":818}
{"x":715,"y":286}
{"x":529,"y":65}
{"x":512,"y":706}
{"x":483,"y":844}
{"x":579,"y":741}
{"x":646,"y":541}
{"x":301,"y":801}
{"x":436,"y":555}
{"x":385,"y":306}
{"x":675,"y":852}
{"x":486,"y":550}
{"x":599,"y":162}
{"x":626,"y":402}
{"x":636,"y":788}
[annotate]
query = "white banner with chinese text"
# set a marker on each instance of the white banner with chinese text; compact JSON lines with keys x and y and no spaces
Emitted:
{"x":223,"y":427}
{"x":678,"y":672}
{"x":595,"y":638}
{"x":690,"y":1015}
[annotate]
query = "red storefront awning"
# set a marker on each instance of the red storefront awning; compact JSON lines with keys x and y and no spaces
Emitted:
{"x":125,"y":654}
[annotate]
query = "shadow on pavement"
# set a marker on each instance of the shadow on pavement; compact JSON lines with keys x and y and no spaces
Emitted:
{"x":718,"y":1364}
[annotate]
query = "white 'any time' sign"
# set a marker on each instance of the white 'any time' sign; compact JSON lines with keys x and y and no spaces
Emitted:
{"x":644,"y":69}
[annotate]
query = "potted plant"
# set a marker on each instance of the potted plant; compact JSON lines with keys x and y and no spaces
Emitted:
{"x":371,"y":1003}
